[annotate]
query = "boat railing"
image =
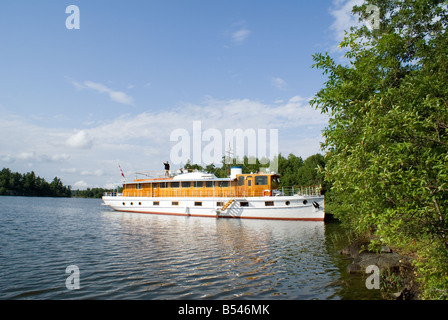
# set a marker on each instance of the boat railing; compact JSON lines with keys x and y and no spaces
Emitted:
{"x":112,"y":194}
{"x":147,"y":175}
{"x":224,"y":192}
{"x":152,"y":175}
{"x":299,"y":190}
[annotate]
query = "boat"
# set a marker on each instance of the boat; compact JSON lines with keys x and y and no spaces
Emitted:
{"x":244,"y":196}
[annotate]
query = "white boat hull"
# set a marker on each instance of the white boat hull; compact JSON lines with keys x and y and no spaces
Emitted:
{"x":273,"y":208}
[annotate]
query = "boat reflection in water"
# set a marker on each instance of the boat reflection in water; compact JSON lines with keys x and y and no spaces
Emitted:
{"x":183,"y":257}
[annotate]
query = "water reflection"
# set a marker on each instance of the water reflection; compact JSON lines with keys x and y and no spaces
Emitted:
{"x":139,"y":256}
{"x":221,"y":258}
{"x":346,"y":286}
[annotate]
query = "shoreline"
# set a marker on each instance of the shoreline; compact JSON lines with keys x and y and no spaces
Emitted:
{"x":397,"y":277}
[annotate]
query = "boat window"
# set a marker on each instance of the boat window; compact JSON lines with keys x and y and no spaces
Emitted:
{"x":186,"y":184}
{"x":244,"y":203}
{"x":175,"y":203}
{"x":198,"y":184}
{"x":219,"y":204}
{"x":139,"y":186}
{"x":174,"y":184}
{"x":155,"y":203}
{"x":163,"y":185}
{"x":223,"y":184}
{"x":249,"y":181}
{"x":241,"y":180}
{"x":209,"y":184}
{"x":269,"y":203}
{"x":261,"y":180}
{"x":198,"y":204}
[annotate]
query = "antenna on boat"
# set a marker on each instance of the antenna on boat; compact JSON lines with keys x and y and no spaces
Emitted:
{"x":229,"y":152}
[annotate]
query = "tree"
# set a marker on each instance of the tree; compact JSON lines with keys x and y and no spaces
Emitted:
{"x":310,"y":173}
{"x":28,"y":184}
{"x":191,"y":167}
{"x":388,"y":132}
{"x":288,"y":168}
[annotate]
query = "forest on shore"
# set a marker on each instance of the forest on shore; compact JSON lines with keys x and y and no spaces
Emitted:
{"x":28,"y":184}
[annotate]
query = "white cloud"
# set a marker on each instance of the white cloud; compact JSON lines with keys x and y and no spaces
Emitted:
{"x":77,"y":85}
{"x":7,"y":158}
{"x":101,"y":88}
{"x":97,"y":173}
{"x":344,"y":18}
{"x":240,"y":36}
{"x":59,"y":157}
{"x":249,"y":113}
{"x":120,"y":97}
{"x":278,"y":83}
{"x":151,"y":131}
{"x":27,"y":156}
{"x":80,"y":185}
{"x":117,"y":96}
{"x":112,"y":185}
{"x":238,"y":32}
{"x":81,"y":139}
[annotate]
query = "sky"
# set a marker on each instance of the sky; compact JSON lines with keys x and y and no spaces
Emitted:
{"x":76,"y":101}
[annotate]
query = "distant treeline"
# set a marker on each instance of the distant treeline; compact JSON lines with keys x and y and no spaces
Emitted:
{"x":28,"y":184}
{"x":92,"y":193}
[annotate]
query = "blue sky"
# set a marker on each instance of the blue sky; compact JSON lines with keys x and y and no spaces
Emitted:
{"x":76,"y":102}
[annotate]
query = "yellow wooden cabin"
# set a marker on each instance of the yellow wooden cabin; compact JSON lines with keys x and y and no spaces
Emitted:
{"x":199,"y":184}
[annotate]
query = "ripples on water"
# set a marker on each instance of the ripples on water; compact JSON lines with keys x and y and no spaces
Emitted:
{"x":138,"y":256}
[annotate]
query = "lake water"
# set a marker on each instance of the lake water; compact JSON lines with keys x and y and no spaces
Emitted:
{"x":141,"y":256}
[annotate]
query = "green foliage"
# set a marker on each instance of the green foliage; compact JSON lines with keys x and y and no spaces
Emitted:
{"x":388,"y":132}
{"x":28,"y":184}
{"x":93,"y":192}
{"x":293,"y":170}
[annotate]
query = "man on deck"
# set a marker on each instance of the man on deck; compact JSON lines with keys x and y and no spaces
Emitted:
{"x":167,"y":169}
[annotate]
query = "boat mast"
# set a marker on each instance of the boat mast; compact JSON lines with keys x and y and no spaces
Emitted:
{"x":229,"y":152}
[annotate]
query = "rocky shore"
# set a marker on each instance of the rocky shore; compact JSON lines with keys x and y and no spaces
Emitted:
{"x":397,"y":274}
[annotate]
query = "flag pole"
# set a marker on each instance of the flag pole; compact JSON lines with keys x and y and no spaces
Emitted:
{"x":122,"y":174}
